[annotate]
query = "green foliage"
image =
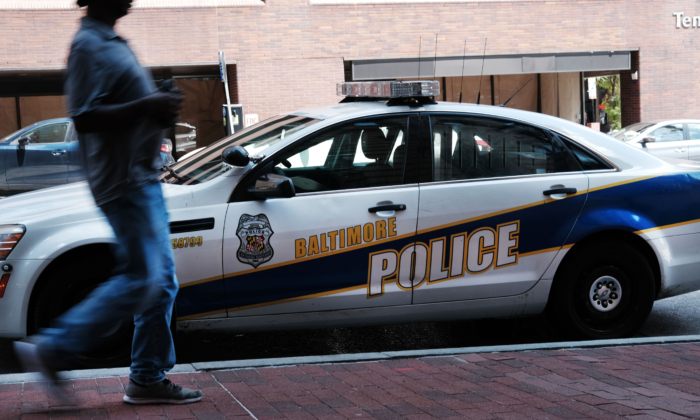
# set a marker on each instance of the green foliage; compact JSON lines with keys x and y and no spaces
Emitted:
{"x":611,"y":99}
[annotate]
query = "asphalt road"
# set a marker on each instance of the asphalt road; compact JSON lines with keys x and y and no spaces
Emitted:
{"x":675,"y":316}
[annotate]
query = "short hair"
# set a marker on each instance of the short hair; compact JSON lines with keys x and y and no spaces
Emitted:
{"x":83,"y":3}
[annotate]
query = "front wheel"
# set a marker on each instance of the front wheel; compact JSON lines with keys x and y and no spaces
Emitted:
{"x":67,"y":287}
{"x":603,"y":292}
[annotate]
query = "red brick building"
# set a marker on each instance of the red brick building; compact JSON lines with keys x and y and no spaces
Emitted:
{"x":288,"y":54}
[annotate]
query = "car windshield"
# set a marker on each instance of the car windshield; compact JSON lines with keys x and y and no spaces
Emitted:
{"x":632,"y":131}
{"x":207,"y":164}
{"x":11,"y":136}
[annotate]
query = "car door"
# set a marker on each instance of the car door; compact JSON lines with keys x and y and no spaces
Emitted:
{"x":502,"y":200}
{"x":335,"y":245}
{"x":693,"y":134}
{"x":42,"y":161}
{"x":670,"y":142}
{"x":75,"y":161}
{"x":196,"y":233}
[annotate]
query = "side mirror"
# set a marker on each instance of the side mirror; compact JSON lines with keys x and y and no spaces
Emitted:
{"x":272,"y":186}
{"x":23,"y":141}
{"x":235,"y":156}
{"x":648,"y":139}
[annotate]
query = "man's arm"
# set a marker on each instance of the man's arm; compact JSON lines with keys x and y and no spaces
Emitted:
{"x":162,"y":106}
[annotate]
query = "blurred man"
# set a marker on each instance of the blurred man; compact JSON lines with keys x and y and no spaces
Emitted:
{"x":120,"y":119}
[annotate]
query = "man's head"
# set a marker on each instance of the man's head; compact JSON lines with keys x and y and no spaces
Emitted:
{"x":114,"y":8}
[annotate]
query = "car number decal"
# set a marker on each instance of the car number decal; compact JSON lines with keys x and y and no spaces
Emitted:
{"x":187,"y":242}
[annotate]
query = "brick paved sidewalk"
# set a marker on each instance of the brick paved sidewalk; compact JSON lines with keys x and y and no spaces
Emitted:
{"x":639,"y":382}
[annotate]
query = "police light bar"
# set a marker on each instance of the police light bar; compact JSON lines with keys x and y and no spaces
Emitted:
{"x":407,"y":89}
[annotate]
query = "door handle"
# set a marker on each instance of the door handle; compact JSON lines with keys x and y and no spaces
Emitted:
{"x":58,"y":152}
{"x":560,"y":191}
{"x":388,"y":207}
{"x":680,"y":150}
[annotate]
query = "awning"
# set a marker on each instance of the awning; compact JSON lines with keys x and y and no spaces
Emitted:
{"x":451,"y":66}
{"x":49,"y":81}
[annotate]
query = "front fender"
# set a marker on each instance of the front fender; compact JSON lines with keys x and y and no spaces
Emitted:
{"x":40,"y":248}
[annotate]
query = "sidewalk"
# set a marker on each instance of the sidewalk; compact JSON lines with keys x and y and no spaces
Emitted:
{"x":660,"y":381}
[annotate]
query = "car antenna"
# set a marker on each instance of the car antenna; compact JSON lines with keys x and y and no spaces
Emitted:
{"x":504,"y":103}
{"x":420,"y":40}
{"x":483,"y":59}
{"x":435,"y":59}
{"x":461,"y":83}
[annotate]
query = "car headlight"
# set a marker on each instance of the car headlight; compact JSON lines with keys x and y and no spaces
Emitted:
{"x":9,"y":237}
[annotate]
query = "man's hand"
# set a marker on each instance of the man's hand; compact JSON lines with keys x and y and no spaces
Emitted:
{"x":164,"y":106}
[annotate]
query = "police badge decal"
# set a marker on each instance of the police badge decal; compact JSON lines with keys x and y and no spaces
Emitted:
{"x":254,"y":232}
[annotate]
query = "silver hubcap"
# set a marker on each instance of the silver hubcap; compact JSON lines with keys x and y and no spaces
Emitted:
{"x":605,"y":294}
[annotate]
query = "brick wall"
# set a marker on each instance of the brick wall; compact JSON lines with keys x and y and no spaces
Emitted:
{"x":271,"y":86}
{"x":630,"y":94}
{"x":289,"y":41}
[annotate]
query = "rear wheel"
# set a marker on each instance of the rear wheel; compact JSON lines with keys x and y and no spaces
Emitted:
{"x":65,"y":288}
{"x":603,"y":292}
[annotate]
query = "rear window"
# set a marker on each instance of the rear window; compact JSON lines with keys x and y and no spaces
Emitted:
{"x":587,"y":160}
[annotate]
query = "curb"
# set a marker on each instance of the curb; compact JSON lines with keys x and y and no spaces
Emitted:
{"x":356,"y":358}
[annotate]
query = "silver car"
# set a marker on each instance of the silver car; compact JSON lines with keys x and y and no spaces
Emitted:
{"x":185,"y":138}
{"x":678,"y":139}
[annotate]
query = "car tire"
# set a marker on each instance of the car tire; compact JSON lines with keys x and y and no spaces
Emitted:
{"x":604,"y":291}
{"x":66,"y":288}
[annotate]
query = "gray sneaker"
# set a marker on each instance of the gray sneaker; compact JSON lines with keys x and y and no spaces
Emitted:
{"x":164,"y":392}
{"x":33,"y":361}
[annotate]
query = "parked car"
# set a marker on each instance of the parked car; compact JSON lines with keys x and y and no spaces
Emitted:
{"x":46,"y":154}
{"x":42,"y":155}
{"x":185,"y":138}
{"x":677,"y":139}
{"x":377,"y":212}
{"x":166,"y":152}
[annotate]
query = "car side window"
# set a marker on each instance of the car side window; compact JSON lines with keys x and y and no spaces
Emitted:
{"x":587,"y":160}
{"x":49,"y":133}
{"x":469,"y":147}
{"x":361,"y":154}
{"x":694,"y":131}
{"x":671,"y":132}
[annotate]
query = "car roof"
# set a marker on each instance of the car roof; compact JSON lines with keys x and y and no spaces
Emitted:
{"x":54,"y":120}
{"x":669,"y":120}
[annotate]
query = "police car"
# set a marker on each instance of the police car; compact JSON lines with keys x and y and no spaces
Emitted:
{"x":385,"y":208}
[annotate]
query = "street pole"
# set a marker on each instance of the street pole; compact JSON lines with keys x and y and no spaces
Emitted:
{"x":228,"y":122}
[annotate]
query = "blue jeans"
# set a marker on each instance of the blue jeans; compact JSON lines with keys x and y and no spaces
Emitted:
{"x":145,"y":288}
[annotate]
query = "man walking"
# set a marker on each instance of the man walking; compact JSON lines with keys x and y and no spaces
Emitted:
{"x":120,"y":118}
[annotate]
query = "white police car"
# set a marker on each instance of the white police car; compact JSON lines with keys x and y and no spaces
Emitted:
{"x":380,"y":211}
